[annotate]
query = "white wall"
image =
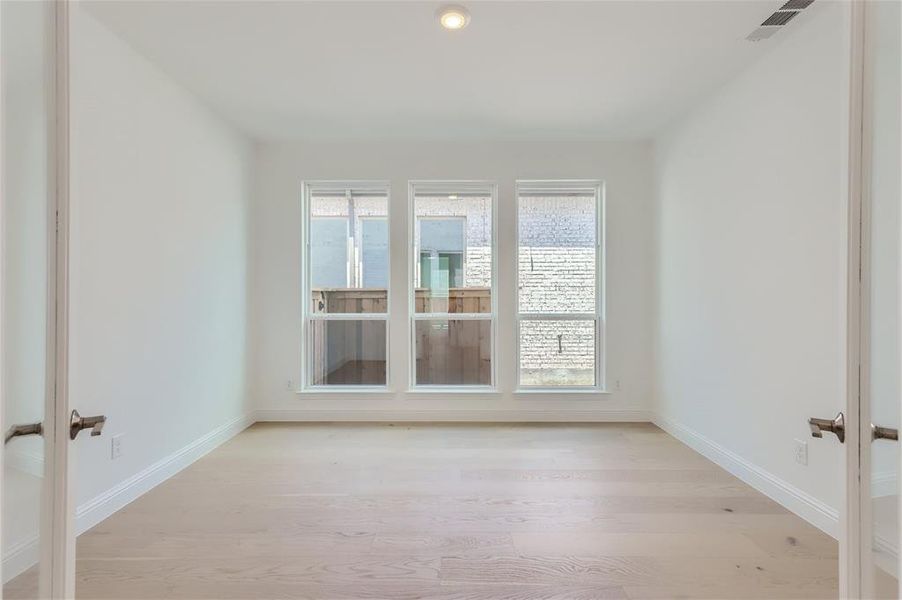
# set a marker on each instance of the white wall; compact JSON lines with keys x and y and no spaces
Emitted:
{"x":281,"y":168}
{"x":751,"y":261}
{"x":159,"y":245}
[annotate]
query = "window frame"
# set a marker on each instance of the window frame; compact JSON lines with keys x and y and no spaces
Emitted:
{"x":349,"y":187}
{"x":550,"y":186}
{"x":448,"y":188}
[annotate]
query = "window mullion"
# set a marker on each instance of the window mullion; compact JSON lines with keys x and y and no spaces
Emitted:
{"x":453,"y":316}
{"x":348,"y":316}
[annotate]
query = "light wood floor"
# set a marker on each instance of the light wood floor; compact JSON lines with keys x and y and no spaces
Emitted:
{"x":455,"y":511}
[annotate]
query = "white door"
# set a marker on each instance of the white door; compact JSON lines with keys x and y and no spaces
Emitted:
{"x":27,"y":189}
{"x":35,"y":527}
{"x":881,"y":386}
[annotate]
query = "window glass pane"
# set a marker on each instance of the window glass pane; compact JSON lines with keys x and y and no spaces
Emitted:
{"x":442,"y":235}
{"x":349,"y":262}
{"x":557,"y":353}
{"x":329,"y":252}
{"x":347,"y":352}
{"x":452,"y":352}
{"x":453,"y":238}
{"x":441,"y":271}
{"x":374,"y":252}
{"x":557,"y":240}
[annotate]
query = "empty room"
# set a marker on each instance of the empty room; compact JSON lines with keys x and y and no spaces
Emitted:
{"x":474,"y":300}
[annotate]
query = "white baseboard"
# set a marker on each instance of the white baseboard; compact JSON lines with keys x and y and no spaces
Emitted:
{"x":99,"y":508}
{"x":452,"y":416}
{"x":819,"y":514}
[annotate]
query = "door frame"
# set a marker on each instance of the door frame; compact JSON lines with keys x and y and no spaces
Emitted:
{"x":850,"y":518}
{"x":58,"y":544}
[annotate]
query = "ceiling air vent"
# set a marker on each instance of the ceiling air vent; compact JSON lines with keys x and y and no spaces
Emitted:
{"x":796,"y":5}
{"x":776,"y":21}
{"x":779,"y":18}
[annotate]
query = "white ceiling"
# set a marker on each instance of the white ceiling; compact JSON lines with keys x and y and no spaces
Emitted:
{"x":372,"y":69}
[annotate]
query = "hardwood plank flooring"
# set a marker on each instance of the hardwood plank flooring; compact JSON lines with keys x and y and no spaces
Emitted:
{"x":334,"y":511}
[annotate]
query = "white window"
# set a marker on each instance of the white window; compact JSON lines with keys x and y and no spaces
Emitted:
{"x":560,"y":292}
{"x":345,"y":285}
{"x":452,"y":301}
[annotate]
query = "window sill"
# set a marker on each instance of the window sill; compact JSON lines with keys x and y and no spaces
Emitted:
{"x":433,"y":392}
{"x":429,"y":393}
{"x":425,"y":392}
{"x":587,"y":393}
{"x":349,"y":390}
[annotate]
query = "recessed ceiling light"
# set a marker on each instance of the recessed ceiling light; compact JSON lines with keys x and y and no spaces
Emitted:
{"x":453,"y":17}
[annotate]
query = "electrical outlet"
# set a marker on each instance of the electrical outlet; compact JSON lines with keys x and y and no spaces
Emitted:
{"x":116,"y":446}
{"x":617,"y":385}
{"x":801,"y":452}
{"x":289,"y":386}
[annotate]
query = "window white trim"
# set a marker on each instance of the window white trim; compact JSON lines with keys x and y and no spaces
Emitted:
{"x":446,"y":188}
{"x":347,"y":316}
{"x":357,"y":188}
{"x":583,"y":393}
{"x":451,"y":316}
{"x":563,"y":188}
{"x":557,"y":316}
